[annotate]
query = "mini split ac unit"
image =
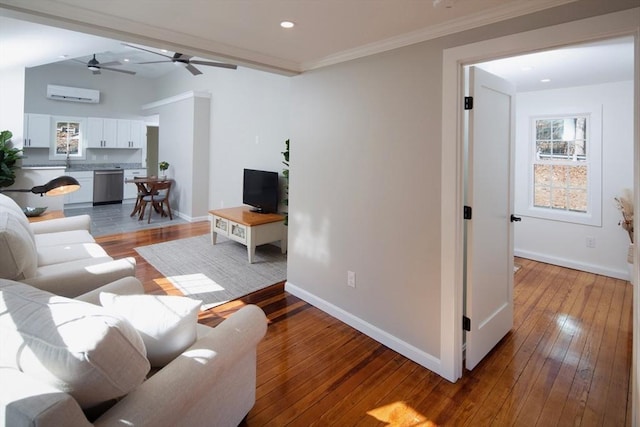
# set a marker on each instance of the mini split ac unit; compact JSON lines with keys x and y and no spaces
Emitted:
{"x":74,"y":94}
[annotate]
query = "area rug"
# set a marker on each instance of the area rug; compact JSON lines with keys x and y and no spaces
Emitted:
{"x":217,"y":273}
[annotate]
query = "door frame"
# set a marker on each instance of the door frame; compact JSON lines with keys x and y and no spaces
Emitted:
{"x":453,"y":175}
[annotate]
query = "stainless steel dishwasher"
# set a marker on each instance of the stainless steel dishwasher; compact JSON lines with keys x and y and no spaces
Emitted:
{"x":108,"y":186}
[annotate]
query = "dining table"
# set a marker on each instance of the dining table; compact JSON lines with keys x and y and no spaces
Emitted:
{"x":146,"y":187}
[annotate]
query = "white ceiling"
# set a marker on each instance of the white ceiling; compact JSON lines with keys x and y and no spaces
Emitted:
{"x":247,"y":32}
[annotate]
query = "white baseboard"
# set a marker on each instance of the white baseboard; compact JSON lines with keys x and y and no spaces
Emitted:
{"x":422,"y":358}
{"x":576,"y":265}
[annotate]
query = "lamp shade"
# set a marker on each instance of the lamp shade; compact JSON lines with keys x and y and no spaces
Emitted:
{"x":56,"y":187}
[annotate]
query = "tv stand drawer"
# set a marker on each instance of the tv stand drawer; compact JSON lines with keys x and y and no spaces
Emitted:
{"x":250,"y":229}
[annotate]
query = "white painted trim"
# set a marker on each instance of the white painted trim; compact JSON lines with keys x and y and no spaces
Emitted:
{"x":176,"y":98}
{"x":486,"y":17}
{"x":570,"y":263}
{"x":599,"y":27}
{"x":422,"y":358}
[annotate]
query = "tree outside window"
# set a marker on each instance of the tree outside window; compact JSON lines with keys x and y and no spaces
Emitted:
{"x":68,"y":138}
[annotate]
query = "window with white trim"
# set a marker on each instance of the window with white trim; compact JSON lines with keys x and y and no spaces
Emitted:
{"x":565,"y":168}
{"x":68,"y":138}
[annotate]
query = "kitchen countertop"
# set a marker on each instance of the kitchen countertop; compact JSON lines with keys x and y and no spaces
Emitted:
{"x":86,"y":166}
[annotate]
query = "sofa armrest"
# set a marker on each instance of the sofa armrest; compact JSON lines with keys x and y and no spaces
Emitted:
{"x":80,"y":222}
{"x":212,"y":383}
{"x":125,"y":286}
{"x":25,"y":401}
{"x":71,"y":282}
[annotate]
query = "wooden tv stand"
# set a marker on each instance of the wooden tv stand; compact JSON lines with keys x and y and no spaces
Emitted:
{"x":249,"y":228}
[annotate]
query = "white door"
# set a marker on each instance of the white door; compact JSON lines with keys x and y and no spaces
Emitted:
{"x":489,"y":265}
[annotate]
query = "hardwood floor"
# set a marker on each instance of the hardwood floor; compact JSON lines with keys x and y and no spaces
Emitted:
{"x":566,"y":362}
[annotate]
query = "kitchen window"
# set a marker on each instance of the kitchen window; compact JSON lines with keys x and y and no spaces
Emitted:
{"x":69,"y":138}
{"x":565,"y":171}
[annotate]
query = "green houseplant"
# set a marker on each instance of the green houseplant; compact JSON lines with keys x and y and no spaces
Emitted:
{"x":163,"y":167}
{"x":285,"y":173}
{"x":8,"y":158}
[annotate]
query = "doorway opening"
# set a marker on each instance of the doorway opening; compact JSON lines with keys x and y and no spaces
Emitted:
{"x":454,"y":59}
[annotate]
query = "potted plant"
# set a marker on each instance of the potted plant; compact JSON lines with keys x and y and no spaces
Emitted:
{"x":285,"y":173}
{"x":163,"y":168}
{"x":8,"y":158}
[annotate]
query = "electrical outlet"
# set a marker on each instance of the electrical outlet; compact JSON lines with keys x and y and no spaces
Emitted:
{"x":351,"y":279}
{"x":591,"y":242}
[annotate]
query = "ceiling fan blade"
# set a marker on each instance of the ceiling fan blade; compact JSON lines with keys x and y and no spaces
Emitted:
{"x":108,"y":64}
{"x":78,"y":61}
{"x":118,"y":71}
{"x":193,"y":70}
{"x":215,"y":64}
{"x":147,"y":50}
{"x":154,"y":62}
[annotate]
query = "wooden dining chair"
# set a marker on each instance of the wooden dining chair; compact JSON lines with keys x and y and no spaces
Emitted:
{"x":158,"y":198}
{"x":143,"y":190}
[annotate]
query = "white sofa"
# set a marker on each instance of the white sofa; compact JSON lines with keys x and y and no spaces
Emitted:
{"x":44,"y":383}
{"x":57,"y":255}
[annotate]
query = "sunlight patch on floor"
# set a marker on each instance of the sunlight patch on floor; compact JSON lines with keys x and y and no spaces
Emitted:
{"x":193,"y":284}
{"x":400,"y":414}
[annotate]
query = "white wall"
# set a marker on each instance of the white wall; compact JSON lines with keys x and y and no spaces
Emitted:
{"x":12,"y":105}
{"x":121,"y":96}
{"x":564,"y":243}
{"x":249,"y":122}
{"x":365,"y":191}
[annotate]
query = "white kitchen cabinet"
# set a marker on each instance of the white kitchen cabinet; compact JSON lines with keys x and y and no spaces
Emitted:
{"x":130,"y":190}
{"x":102,"y":133}
{"x":131,"y":133}
{"x":85,"y":193}
{"x":37,"y":131}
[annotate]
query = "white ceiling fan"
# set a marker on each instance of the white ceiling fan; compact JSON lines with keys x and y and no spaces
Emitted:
{"x":95,"y":66}
{"x":185,"y":60}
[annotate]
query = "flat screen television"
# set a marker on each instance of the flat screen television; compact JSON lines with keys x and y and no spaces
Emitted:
{"x":260,"y":190}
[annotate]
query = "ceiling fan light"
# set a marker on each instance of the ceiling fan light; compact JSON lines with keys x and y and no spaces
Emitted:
{"x":287,"y":24}
{"x":93,"y":68}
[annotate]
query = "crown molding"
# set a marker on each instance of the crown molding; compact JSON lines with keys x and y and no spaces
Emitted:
{"x":491,"y":16}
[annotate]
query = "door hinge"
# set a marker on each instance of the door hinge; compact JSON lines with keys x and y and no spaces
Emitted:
{"x":467,"y":212}
{"x":466,"y":323}
{"x":468,"y":102}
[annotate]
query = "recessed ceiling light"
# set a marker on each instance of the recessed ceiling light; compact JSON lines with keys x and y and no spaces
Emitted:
{"x":287,"y":24}
{"x":126,"y":59}
{"x":63,"y":56}
{"x":545,"y":80}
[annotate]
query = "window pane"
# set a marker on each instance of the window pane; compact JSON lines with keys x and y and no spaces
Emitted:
{"x":557,"y":129}
{"x":67,"y":138}
{"x":559,"y":175}
{"x":578,"y":177}
{"x":543,"y":129}
{"x":558,"y":198}
{"x":543,"y":148}
{"x":542,"y":175}
{"x":542,"y":197}
{"x":578,"y":200}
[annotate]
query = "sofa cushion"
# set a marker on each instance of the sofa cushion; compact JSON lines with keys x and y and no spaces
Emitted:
{"x":76,"y":347}
{"x":18,"y":256}
{"x":48,"y":255}
{"x":166,"y":323}
{"x":63,"y":238}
